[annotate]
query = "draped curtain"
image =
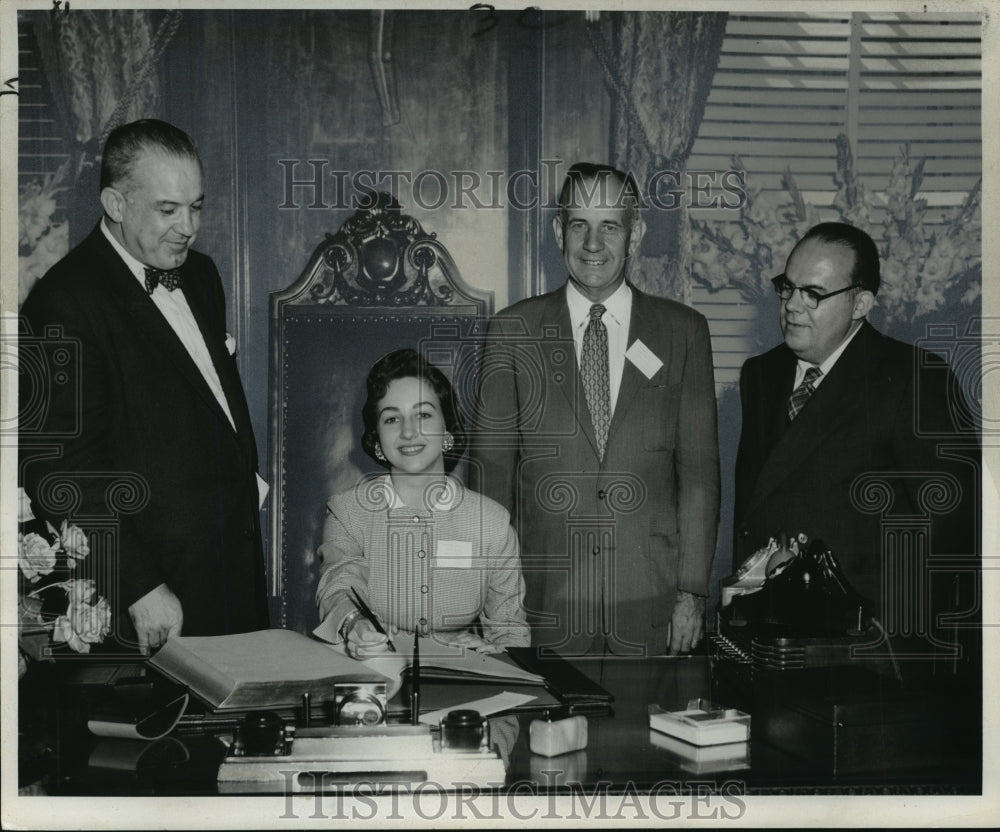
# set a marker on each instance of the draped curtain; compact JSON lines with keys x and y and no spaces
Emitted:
{"x":660,"y":68}
{"x":101,"y":67}
{"x":99,"y":64}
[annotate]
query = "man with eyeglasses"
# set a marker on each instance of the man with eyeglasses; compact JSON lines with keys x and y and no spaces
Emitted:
{"x":848,"y":433}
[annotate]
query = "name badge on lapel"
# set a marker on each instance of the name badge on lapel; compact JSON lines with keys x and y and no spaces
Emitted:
{"x":643,"y":358}
{"x":453,"y":554}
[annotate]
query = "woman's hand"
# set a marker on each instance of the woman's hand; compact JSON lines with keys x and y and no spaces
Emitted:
{"x":364,"y":641}
{"x":468,"y":640}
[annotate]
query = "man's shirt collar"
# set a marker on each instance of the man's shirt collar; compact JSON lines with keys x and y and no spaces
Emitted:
{"x":138,"y":269}
{"x":827,"y":365}
{"x":618,"y":305}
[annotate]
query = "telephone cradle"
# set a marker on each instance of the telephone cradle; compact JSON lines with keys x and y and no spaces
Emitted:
{"x":790,"y":607}
{"x":794,"y":646}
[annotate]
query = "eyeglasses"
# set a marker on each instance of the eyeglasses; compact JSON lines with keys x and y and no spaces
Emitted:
{"x":810,"y":297}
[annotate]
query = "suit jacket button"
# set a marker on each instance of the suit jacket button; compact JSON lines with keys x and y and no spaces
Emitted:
{"x":744,"y":532}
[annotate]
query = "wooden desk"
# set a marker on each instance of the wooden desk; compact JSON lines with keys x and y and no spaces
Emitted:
{"x":621,"y":754}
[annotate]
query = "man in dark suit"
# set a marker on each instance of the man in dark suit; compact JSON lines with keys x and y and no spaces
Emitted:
{"x":596,"y":428}
{"x":152,"y":428}
{"x":857,"y":440}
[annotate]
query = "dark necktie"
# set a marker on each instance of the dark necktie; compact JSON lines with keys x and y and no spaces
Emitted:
{"x":596,"y":379}
{"x":169,"y":280}
{"x":800,"y":395}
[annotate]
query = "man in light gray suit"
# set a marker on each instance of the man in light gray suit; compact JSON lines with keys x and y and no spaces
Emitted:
{"x":596,"y":428}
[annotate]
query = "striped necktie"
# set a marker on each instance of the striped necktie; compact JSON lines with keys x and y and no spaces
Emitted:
{"x":800,"y":395}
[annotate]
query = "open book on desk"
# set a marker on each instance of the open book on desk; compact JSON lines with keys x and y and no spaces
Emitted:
{"x":452,"y":677}
{"x":519,"y":669}
{"x":260,"y":670}
{"x":444,"y":662}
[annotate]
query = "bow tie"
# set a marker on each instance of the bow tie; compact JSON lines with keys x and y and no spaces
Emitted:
{"x":170,"y":280}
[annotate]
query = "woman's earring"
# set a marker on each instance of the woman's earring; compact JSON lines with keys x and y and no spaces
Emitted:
{"x":448,"y":443}
{"x":378,"y":452}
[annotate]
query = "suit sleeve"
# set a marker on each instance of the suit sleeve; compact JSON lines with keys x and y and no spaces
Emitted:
{"x":697,"y":464}
{"x":493,"y":449}
{"x":71,"y":414}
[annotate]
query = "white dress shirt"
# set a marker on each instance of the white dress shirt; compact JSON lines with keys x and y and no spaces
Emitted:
{"x":616,"y":320}
{"x":824,"y":368}
{"x":174,"y":307}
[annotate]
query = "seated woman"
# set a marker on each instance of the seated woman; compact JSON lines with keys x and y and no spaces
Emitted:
{"x":423,"y":551}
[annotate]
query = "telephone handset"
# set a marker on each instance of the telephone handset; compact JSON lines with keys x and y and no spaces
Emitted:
{"x":764,"y":564}
{"x":793,"y":588}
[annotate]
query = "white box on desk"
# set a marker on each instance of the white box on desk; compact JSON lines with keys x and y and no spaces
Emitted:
{"x":702,"y":724}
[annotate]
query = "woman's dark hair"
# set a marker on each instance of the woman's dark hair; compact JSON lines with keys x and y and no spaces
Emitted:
{"x":408,"y":363}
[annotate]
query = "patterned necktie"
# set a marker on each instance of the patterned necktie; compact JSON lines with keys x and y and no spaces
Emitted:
{"x":596,"y":379}
{"x":800,"y":395}
{"x":169,"y":280}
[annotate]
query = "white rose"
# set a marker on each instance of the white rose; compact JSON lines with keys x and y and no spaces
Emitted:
{"x":35,"y":556}
{"x":63,"y":630}
{"x":74,"y":542}
{"x":80,"y":591}
{"x":84,"y":623}
{"x":92,"y":622}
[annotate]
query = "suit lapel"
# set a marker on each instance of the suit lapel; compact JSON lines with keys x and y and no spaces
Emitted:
{"x":632,"y":378}
{"x":778,"y":387}
{"x":561,"y":365}
{"x":148,"y":323}
{"x":835,"y":402}
{"x":198,"y":299}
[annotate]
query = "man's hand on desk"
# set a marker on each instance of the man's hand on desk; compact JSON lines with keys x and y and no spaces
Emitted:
{"x":157,"y":616}
{"x":687,"y":625}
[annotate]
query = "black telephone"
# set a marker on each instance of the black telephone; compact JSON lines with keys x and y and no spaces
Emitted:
{"x":789,"y":605}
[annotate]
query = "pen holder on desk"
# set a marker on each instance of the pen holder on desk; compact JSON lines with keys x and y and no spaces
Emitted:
{"x":406,"y":690}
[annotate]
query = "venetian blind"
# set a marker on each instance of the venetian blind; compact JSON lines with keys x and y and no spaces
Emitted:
{"x":787,"y":84}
